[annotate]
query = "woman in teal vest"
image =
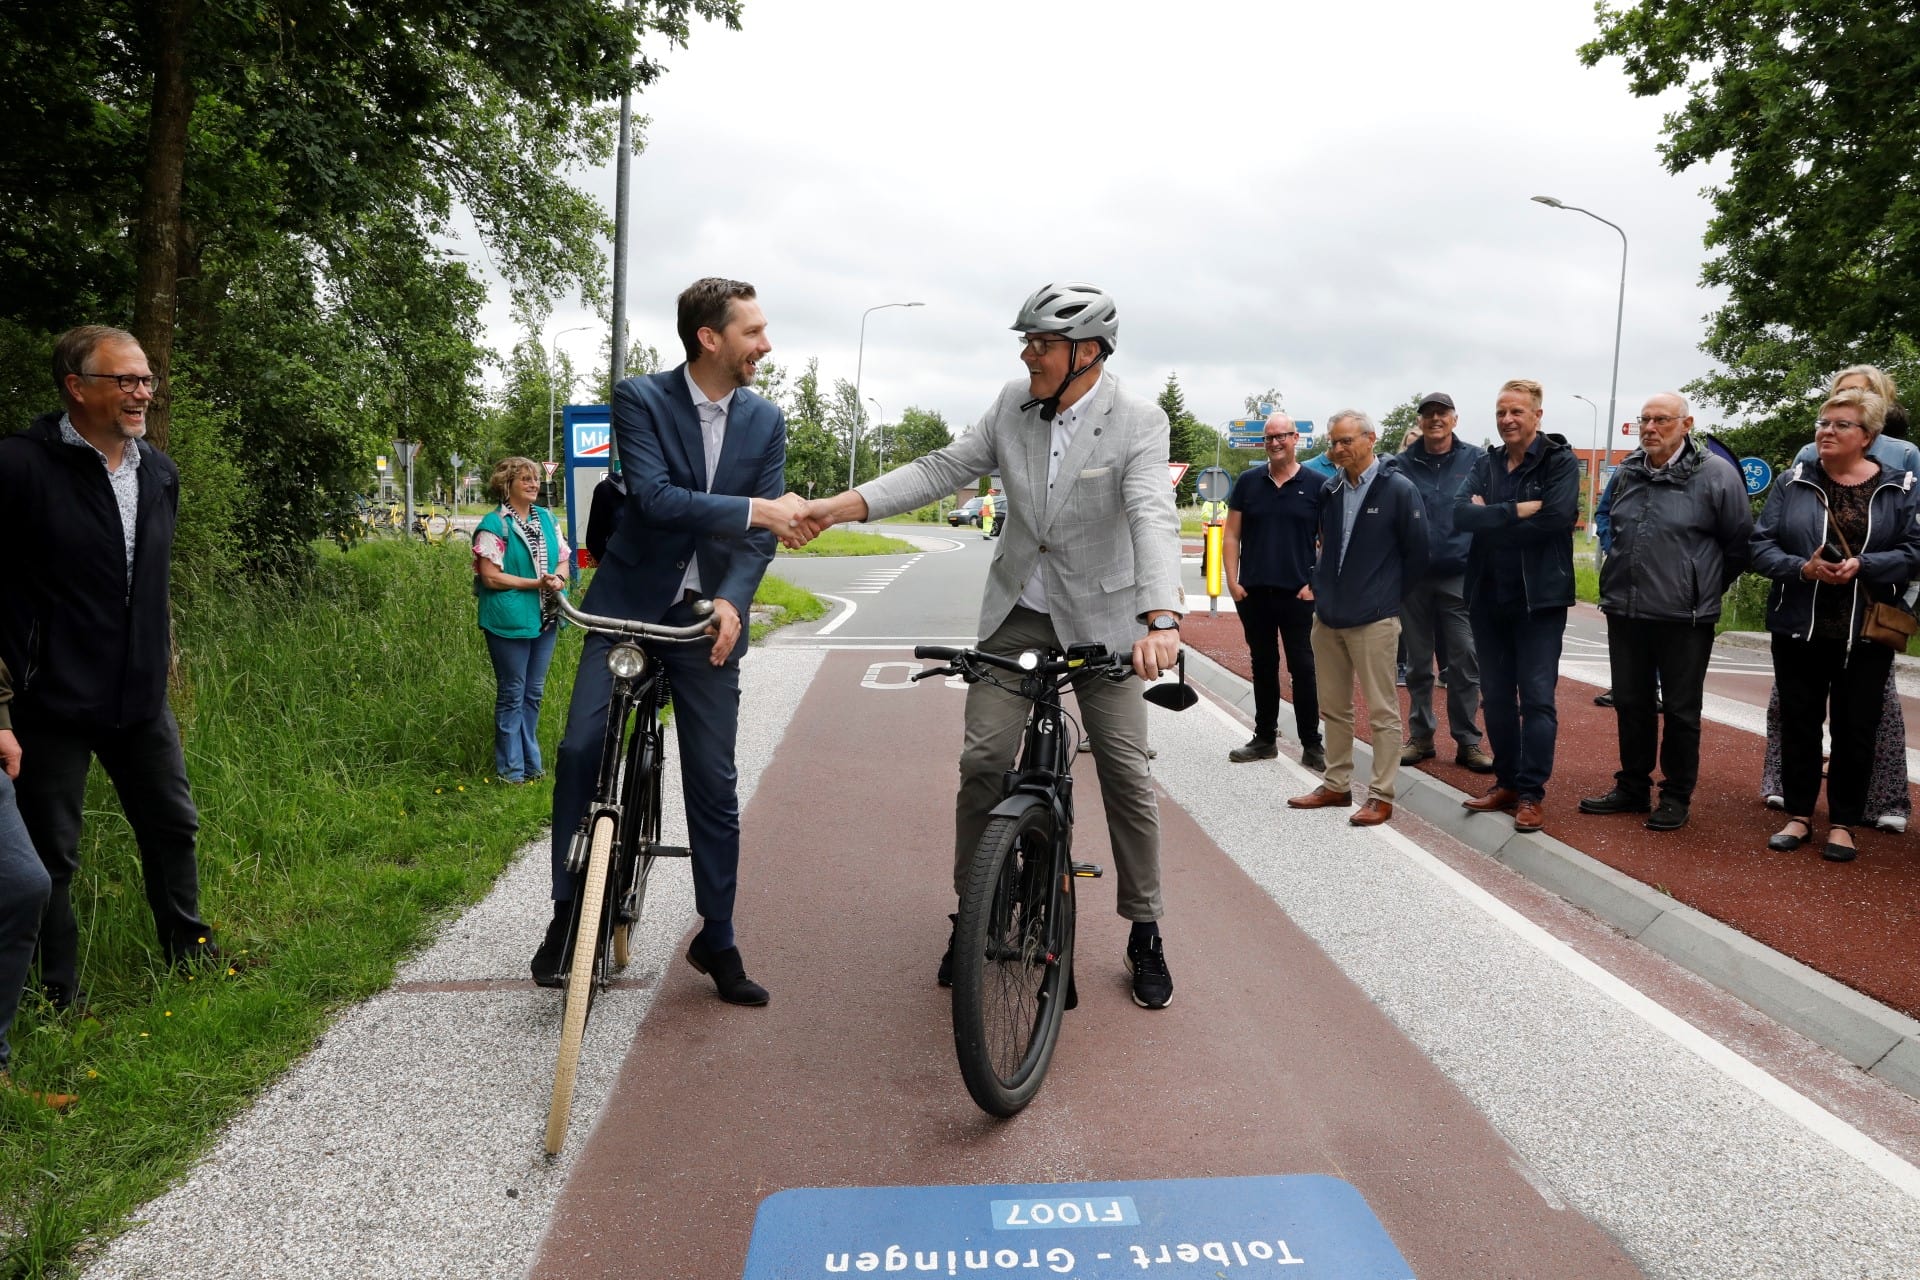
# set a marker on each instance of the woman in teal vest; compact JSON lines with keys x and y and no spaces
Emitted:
{"x":519,"y":562}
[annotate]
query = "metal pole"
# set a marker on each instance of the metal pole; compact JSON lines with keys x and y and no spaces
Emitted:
{"x":1619,"y":316}
{"x":617,"y":364}
{"x":882,"y":414}
{"x":859,"y":367}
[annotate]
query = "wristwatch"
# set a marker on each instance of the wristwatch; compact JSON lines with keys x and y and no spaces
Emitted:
{"x":1165,"y":622}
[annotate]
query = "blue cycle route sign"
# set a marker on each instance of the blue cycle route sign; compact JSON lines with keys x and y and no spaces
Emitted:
{"x":1757,"y":474}
{"x":1301,"y":1227}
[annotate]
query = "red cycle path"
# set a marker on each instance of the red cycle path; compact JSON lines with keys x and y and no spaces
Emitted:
{"x":1856,"y":922}
{"x":1269,"y":1060}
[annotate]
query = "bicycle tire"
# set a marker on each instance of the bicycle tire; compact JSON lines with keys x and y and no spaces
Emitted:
{"x":645,"y":829}
{"x":433,"y":526}
{"x":580,"y":981}
{"x":1009,"y":984}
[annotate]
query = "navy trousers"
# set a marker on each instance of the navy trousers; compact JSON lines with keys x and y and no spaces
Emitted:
{"x":1519,"y":656}
{"x":24,"y":886}
{"x":706,"y":721}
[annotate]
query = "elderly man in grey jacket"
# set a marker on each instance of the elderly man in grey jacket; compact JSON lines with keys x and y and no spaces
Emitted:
{"x":1681,"y":524}
{"x":1091,"y":554}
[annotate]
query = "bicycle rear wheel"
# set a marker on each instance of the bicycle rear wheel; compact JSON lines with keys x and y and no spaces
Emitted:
{"x":1012,"y":959}
{"x":644,"y":829}
{"x":580,"y":981}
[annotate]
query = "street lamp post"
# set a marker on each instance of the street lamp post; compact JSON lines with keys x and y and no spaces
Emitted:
{"x":1593,"y":466}
{"x":881,"y":414}
{"x":859,"y":367}
{"x":1619,"y":315}
{"x":550,"y":341}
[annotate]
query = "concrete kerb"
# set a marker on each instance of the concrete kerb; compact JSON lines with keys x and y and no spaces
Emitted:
{"x":1865,"y":1032}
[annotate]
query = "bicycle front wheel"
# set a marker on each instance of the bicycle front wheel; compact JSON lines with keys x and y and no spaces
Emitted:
{"x":1012,"y":960}
{"x":580,"y":981}
{"x":644,"y":829}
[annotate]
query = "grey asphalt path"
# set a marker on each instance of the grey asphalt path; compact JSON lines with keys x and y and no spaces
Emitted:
{"x":408,"y":1142}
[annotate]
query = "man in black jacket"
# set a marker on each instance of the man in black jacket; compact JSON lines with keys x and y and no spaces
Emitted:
{"x":1519,"y":504}
{"x":1435,"y":604}
{"x":1681,"y":524}
{"x":86,"y":635}
{"x":1373,"y":538}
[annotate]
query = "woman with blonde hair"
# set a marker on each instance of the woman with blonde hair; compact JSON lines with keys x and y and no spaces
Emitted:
{"x":519,"y":565}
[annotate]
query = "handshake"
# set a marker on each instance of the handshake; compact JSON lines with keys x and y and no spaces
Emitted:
{"x":796,"y":521}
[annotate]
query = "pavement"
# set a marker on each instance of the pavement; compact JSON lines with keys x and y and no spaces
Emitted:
{"x":1825,"y":948}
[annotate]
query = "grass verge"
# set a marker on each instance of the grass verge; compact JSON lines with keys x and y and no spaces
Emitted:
{"x":851,"y":542}
{"x":339,"y":740}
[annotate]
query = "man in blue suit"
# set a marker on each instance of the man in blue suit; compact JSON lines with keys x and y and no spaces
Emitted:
{"x":705,"y":461}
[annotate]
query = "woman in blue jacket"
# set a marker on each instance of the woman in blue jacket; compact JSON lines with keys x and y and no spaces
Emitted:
{"x":519,"y":563}
{"x":1836,"y":537}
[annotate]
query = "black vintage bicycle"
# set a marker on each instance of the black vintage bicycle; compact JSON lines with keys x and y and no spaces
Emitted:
{"x":619,"y":838}
{"x":1013,"y":937}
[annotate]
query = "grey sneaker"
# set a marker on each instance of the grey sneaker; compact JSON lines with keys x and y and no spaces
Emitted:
{"x":1152,"y":983}
{"x":1255,"y":749}
{"x":1314,"y":758}
{"x":1474,"y":759}
{"x":1417,"y":749}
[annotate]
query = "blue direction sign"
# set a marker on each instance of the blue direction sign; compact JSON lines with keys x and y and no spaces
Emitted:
{"x":1308,"y":1226}
{"x":1250,"y":433}
{"x":1758,"y":474}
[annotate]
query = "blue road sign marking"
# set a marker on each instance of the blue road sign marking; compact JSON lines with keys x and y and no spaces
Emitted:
{"x":1757,"y":473}
{"x":1301,"y":1227}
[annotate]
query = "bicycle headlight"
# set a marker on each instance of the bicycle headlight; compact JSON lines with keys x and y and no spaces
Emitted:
{"x":626,"y":661}
{"x":1029,"y":659}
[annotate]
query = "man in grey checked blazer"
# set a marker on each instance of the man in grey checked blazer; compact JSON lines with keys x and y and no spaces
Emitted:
{"x":1091,"y":554}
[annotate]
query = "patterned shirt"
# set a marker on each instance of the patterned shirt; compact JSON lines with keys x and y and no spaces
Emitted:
{"x":125,"y":482}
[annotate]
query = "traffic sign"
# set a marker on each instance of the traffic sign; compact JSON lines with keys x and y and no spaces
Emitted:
{"x":1757,"y":473}
{"x":551,"y":467}
{"x":1178,"y":471}
{"x":1213,"y":484}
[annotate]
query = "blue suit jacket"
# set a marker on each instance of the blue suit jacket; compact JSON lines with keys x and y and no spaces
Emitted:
{"x":670,"y":514}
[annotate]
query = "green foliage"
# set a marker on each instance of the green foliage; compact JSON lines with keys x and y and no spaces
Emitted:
{"x":851,"y":542}
{"x":919,"y":432}
{"x":1816,"y":232}
{"x":816,"y":462}
{"x":208,"y":540}
{"x":1184,"y":438}
{"x":1397,"y":421}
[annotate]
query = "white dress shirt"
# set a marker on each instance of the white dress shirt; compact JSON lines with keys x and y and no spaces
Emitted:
{"x":1034,"y":594}
{"x":713,"y":435}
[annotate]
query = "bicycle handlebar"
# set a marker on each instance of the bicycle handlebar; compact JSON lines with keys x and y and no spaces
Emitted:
{"x":1106,"y":663}
{"x":690,"y":634}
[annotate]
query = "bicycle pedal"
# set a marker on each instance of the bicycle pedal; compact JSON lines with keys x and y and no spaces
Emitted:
{"x":1088,"y":870}
{"x":671,"y":851}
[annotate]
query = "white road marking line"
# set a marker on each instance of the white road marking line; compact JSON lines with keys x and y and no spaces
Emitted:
{"x":833,"y":626}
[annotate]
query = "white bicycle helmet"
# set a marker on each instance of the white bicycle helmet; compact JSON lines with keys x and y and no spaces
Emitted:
{"x":1083,"y":312}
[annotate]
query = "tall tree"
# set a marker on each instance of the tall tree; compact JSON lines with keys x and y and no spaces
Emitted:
{"x":919,"y":432}
{"x":1271,"y":397}
{"x":1816,"y":232}
{"x":816,"y":465}
{"x":1180,"y":436}
{"x":1397,"y":421}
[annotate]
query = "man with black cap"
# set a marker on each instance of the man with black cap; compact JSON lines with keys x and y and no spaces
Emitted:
{"x":1434,"y":607}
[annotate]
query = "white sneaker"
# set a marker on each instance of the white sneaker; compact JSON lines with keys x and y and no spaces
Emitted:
{"x":1776,"y":802}
{"x":1895,"y":822}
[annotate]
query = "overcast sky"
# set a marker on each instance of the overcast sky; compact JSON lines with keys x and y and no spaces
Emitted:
{"x":1331,"y":199}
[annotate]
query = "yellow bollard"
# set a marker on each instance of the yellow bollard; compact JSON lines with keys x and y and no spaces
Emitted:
{"x":1214,"y":557}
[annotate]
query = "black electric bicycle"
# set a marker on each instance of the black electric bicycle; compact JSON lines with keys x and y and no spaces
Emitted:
{"x":619,"y":838}
{"x":1013,"y":937}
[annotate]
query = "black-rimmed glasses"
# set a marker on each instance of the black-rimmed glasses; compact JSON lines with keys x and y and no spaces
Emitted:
{"x":129,"y":382}
{"x":1833,"y":424}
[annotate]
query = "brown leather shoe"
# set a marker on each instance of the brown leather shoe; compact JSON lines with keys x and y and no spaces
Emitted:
{"x":1372,"y":814}
{"x":1528,"y":816}
{"x":1498,"y":800}
{"x":1321,"y":798}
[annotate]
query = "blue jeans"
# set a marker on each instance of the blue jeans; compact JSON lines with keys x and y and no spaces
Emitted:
{"x":520,"y":672}
{"x":1519,"y":656}
{"x":24,"y":888}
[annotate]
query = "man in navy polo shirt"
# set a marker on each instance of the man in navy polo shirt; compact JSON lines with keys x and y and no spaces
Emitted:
{"x":1272,"y":516}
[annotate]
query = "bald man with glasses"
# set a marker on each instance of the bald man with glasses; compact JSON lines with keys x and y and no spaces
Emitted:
{"x":1268,"y":551}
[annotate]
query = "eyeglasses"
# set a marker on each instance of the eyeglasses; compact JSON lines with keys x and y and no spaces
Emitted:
{"x":1039,"y":343}
{"x":1833,"y":424}
{"x":1278,"y":436}
{"x":129,"y":382}
{"x":1656,"y":420}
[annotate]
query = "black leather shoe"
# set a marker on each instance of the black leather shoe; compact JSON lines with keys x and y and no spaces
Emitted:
{"x":729,"y":975}
{"x":1670,"y":816}
{"x":555,"y":957}
{"x":1255,"y":749}
{"x":1615,"y":801}
{"x":945,"y":976}
{"x":1784,"y":841}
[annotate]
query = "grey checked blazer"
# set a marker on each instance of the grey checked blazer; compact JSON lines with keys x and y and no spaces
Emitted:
{"x":1107,"y":538}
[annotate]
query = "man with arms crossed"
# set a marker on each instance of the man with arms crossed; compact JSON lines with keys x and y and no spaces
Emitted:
{"x":1681,"y":526}
{"x":704,"y":460}
{"x":1519,"y":504}
{"x":1267,"y":552}
{"x":87,"y":634}
{"x":1091,"y":554}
